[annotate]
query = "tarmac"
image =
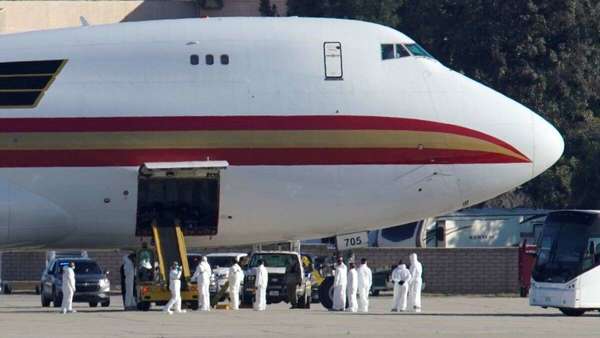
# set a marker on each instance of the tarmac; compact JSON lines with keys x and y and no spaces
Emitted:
{"x":22,"y":316}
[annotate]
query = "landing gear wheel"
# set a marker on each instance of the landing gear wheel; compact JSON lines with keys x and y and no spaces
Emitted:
{"x":572,"y":312}
{"x":326,"y":293}
{"x":143,"y":306}
{"x":93,"y":304}
{"x":105,"y":304}
{"x":57,"y":299}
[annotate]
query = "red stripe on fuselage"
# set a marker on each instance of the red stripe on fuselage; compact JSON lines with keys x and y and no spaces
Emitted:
{"x":187,"y":123}
{"x":86,"y":158}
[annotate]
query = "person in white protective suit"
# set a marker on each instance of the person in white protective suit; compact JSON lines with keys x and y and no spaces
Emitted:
{"x":202,"y":277}
{"x":236,"y":276}
{"x":340,"y":283}
{"x":365,"y":279}
{"x":175,"y":287}
{"x":416,"y":282}
{"x":129,"y":271}
{"x":68,"y":287}
{"x":401,"y":278}
{"x":352,"y":288}
{"x":260,"y":283}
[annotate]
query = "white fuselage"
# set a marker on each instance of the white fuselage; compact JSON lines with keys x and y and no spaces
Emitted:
{"x":309,"y":157}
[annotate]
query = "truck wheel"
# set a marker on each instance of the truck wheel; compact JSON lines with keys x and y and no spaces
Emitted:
{"x":45,"y":301}
{"x":93,"y":304}
{"x":57,"y":299}
{"x":143,"y":306}
{"x":247,"y":300}
{"x":326,"y":293}
{"x":105,"y":304}
{"x":572,"y":312}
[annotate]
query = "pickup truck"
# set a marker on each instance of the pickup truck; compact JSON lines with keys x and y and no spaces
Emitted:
{"x":276,"y":263}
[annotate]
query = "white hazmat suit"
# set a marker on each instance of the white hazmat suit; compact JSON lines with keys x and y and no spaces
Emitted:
{"x":175,"y":286}
{"x":202,"y":277}
{"x":365,"y":279}
{"x":340,"y":282}
{"x":401,"y":278}
{"x":68,"y":289}
{"x":129,"y":271}
{"x":416,"y":283}
{"x":236,"y":276}
{"x":352,"y":289}
{"x":261,"y":282}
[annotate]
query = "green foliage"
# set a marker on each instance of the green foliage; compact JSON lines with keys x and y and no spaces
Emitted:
{"x":266,"y":9}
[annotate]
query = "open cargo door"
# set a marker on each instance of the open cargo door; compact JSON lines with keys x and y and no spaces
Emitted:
{"x":184,"y":193}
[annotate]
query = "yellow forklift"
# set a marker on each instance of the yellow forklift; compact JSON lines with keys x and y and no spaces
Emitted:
{"x":175,"y":200}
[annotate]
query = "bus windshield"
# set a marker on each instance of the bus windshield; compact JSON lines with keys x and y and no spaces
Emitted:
{"x":567,"y":247}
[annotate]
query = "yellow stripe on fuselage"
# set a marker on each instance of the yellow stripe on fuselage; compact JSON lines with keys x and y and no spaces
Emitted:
{"x":255,"y":139}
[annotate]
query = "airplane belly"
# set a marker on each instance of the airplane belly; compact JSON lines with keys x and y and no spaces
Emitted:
{"x":269,"y":204}
{"x":70,"y":207}
{"x":258,"y":203}
{"x":30,"y":220}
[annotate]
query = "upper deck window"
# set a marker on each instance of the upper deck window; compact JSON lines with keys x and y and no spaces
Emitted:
{"x":417,"y":50}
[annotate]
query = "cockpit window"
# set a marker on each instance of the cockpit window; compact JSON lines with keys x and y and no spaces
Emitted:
{"x":417,"y":50}
{"x":401,"y":51}
{"x":387,"y":51}
{"x":393,"y":51}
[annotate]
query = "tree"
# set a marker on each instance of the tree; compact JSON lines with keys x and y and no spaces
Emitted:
{"x":266,"y":9}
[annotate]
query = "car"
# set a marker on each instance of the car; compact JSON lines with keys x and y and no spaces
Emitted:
{"x":276,"y":263}
{"x":91,"y":283}
{"x":220,"y":264}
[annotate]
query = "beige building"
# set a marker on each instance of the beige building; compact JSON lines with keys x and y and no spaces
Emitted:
{"x":21,"y":16}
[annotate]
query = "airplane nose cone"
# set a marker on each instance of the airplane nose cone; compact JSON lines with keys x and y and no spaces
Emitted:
{"x":548,"y":145}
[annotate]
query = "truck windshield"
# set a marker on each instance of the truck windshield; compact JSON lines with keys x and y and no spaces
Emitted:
{"x":564,"y":246}
{"x":223,"y":261}
{"x":85,"y":268}
{"x":273,"y":260}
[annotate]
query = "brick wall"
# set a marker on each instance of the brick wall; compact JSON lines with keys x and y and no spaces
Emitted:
{"x":448,"y":271}
{"x":457,"y":271}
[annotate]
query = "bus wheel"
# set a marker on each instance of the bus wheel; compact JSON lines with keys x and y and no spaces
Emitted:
{"x":571,"y":312}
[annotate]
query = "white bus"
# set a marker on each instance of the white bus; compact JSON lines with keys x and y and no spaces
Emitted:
{"x":566,"y":274}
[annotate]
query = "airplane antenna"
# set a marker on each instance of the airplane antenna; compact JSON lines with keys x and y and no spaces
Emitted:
{"x":84,"y":22}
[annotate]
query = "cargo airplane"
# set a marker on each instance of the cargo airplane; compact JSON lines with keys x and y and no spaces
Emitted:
{"x":245,"y":130}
